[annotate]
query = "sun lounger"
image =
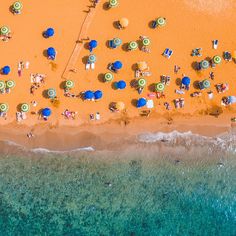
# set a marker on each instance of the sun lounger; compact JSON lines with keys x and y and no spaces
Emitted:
{"x":87,"y":66}
{"x":137,"y":73}
{"x":18,"y":117}
{"x":215,"y":43}
{"x":151,"y":95}
{"x":167,"y":53}
{"x":146,"y":73}
{"x":177,"y":103}
{"x":23,"y":115}
{"x":92,"y":66}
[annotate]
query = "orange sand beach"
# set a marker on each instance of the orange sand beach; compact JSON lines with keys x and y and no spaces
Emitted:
{"x":190,"y":24}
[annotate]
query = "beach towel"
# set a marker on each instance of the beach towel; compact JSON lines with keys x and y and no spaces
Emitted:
{"x":150,"y":104}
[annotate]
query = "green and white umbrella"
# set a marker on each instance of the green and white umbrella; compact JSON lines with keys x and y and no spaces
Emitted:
{"x":133,"y":45}
{"x":141,"y":82}
{"x":204,"y":64}
{"x":24,"y":107}
{"x":146,"y":42}
{"x":117,"y":41}
{"x":161,"y":21}
{"x":206,"y":83}
{"x":217,"y":59}
{"x":4,"y":30}
{"x":51,"y":93}
{"x":17,"y":6}
{"x":2,"y":85}
{"x":92,"y":58}
{"x":113,"y":3}
{"x":69,"y":84}
{"x":160,"y":87}
{"x":3,"y":107}
{"x":10,"y":84}
{"x":108,"y":77}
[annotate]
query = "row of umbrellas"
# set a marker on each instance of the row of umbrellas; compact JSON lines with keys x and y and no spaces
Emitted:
{"x":89,"y":95}
{"x":204,"y":64}
{"x":7,"y":84}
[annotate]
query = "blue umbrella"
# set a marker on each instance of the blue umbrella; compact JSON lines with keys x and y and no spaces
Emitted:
{"x":6,"y":70}
{"x":46,"y":112}
{"x":88,"y":95}
{"x":49,"y":32}
{"x":186,"y":81}
{"x":141,"y":102}
{"x":97,"y":94}
{"x":92,"y":44}
{"x":117,"y":65}
{"x":121,"y":84}
{"x":51,"y":52}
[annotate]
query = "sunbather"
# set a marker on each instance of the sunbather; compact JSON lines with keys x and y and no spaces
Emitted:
{"x":221,"y":88}
{"x":181,"y":102}
{"x":196,"y":94}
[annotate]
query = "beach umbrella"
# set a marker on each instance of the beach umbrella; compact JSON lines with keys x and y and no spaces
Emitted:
{"x":108,"y":76}
{"x":2,"y":85}
{"x":142,"y":65}
{"x":88,"y":95}
{"x":146,"y":41}
{"x":24,"y":107}
{"x":186,"y":81}
{"x":119,"y":106}
{"x":92,"y":58}
{"x":10,"y":84}
{"x":92,"y":44}
{"x":141,"y":82}
{"x":117,"y":65}
{"x":124,"y":22}
{"x":17,"y":6}
{"x":51,"y":93}
{"x":234,"y":55}
{"x":204,"y":64}
{"x":6,"y":70}
{"x":117,"y":42}
{"x":46,"y":112}
{"x":206,"y":83}
{"x":160,"y":87}
{"x":161,"y":21}
{"x":133,"y":45}
{"x":217,"y":59}
{"x":4,"y":30}
{"x":97,"y":94}
{"x":51,"y":51}
{"x":4,"y":107}
{"x":121,"y":84}
{"x":49,"y":32}
{"x":141,"y":102}
{"x":69,"y":84}
{"x":113,"y":3}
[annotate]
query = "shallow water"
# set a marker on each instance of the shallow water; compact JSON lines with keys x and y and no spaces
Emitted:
{"x":114,"y":193}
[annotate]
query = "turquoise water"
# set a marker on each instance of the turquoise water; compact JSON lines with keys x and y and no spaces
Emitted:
{"x":85,"y":194}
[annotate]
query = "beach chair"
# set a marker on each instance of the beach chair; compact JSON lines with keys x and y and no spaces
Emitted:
{"x":92,"y":66}
{"x":215,"y":43}
{"x":146,"y":73}
{"x":87,"y":66}
{"x":167,"y":53}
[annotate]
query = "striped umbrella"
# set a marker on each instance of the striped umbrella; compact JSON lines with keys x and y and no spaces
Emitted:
{"x":108,"y":77}
{"x":141,"y":82}
{"x":120,"y":106}
{"x":117,"y":42}
{"x":204,"y":64}
{"x":160,"y":87}
{"x":161,"y":21}
{"x":17,"y":6}
{"x":133,"y":45}
{"x":2,"y":85}
{"x":4,"y":107}
{"x":113,"y":3}
{"x":92,"y":58}
{"x":24,"y":107}
{"x":124,"y":22}
{"x":69,"y":84}
{"x":4,"y":30}
{"x":10,"y":84}
{"x":206,"y":83}
{"x":146,"y":42}
{"x":217,"y":59}
{"x":51,"y":93}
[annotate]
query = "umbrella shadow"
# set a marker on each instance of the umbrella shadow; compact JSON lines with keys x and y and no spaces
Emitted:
{"x":150,"y":23}
{"x":45,"y":93}
{"x":134,"y":67}
{"x":194,"y":65}
{"x":18,"y":107}
{"x":196,"y":84}
{"x":45,"y":54}
{"x":134,"y":102}
{"x":62,"y":85}
{"x":125,"y":47}
{"x":101,"y":78}
{"x":86,"y":45}
{"x":85,"y":60}
{"x":113,"y":85}
{"x":115,"y":24}
{"x":133,"y":83}
{"x":151,"y":87}
{"x":105,"y":6}
{"x":178,"y":81}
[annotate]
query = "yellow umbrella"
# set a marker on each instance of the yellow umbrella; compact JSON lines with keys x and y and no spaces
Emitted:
{"x":142,"y":65}
{"x":124,"y":22}
{"x":120,"y":106}
{"x":234,"y":55}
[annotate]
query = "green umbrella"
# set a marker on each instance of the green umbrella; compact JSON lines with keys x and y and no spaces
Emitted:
{"x":217,"y":59}
{"x":4,"y":30}
{"x":51,"y":93}
{"x":161,"y":21}
{"x":206,"y":83}
{"x":24,"y":107}
{"x":204,"y":64}
{"x":146,"y":42}
{"x":108,"y":76}
{"x":160,"y":87}
{"x":17,"y":6}
{"x":3,"y":107}
{"x":69,"y":84}
{"x":92,"y":58}
{"x":141,"y":82}
{"x":2,"y":85}
{"x":10,"y":84}
{"x":133,"y":45}
{"x":113,"y":3}
{"x":117,"y":41}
